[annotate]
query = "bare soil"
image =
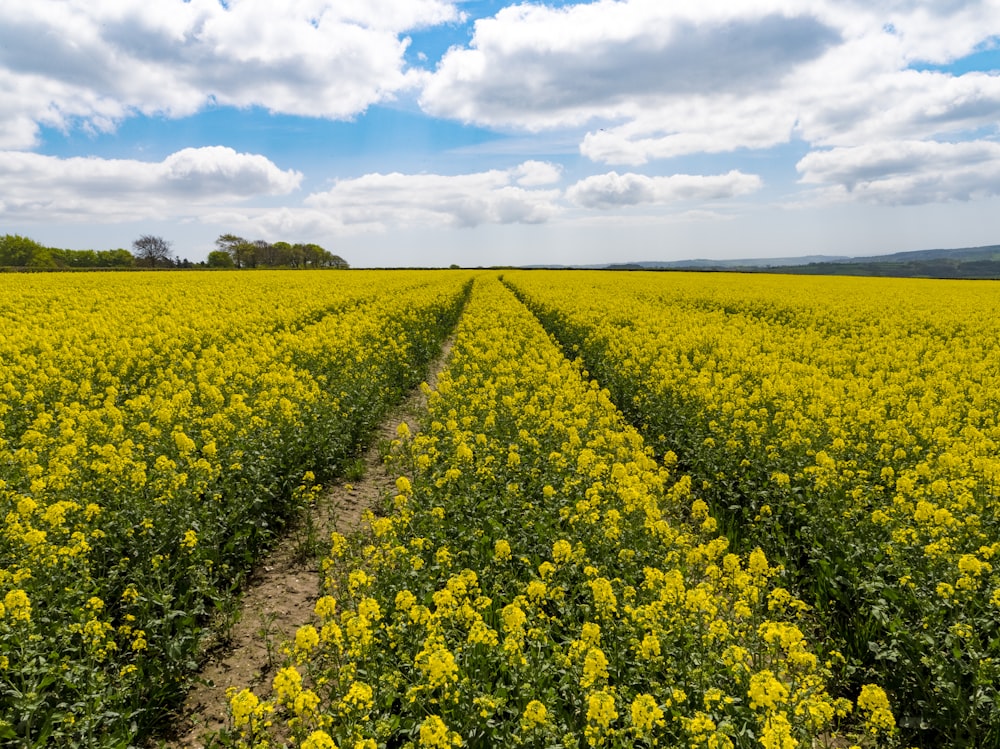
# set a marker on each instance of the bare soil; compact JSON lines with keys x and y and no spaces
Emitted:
{"x":282,"y":591}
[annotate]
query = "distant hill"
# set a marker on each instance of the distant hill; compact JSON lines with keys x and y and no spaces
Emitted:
{"x":966,"y":262}
{"x":771,"y":262}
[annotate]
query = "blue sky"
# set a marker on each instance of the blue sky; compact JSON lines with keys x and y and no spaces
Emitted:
{"x":430,"y":132}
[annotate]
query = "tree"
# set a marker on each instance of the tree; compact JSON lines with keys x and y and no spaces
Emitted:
{"x":151,"y":249}
{"x":119,"y":258}
{"x":284,"y":255}
{"x":260,"y":253}
{"x":220,"y":259}
{"x":239,"y":249}
{"x":264,"y":253}
{"x":22,"y":252}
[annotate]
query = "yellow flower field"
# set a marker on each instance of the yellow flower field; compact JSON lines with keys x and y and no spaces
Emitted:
{"x":643,"y":509}
{"x":155,"y":428}
{"x":848,"y":427}
{"x":541,"y":579}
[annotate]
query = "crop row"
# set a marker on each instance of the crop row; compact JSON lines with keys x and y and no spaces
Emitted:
{"x":156,"y":432}
{"x":539,"y":579}
{"x":849,"y":427}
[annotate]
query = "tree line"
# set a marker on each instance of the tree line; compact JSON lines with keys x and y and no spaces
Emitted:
{"x":236,"y":252}
{"x":21,"y":252}
{"x":151,"y":251}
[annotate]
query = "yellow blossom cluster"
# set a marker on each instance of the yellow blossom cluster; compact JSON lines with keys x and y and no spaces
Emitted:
{"x":847,"y":426}
{"x":540,"y":578}
{"x":155,"y":430}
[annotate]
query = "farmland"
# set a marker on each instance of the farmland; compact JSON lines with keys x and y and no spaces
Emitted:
{"x":157,"y":429}
{"x":642,"y":509}
{"x":848,"y":428}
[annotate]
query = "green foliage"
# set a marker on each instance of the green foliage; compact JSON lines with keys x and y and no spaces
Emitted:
{"x":20,"y":252}
{"x":261,"y":254}
{"x":220,"y":259}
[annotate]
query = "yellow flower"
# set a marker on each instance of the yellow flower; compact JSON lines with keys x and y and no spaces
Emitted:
{"x":777,"y":733}
{"x":758,"y":563}
{"x":874,"y":703}
{"x":306,"y":638}
{"x":535,"y":590}
{"x":650,"y":646}
{"x":434,"y":734}
{"x":319,"y":740}
{"x":590,"y":633}
{"x":562,"y":551}
{"x":18,"y":605}
{"x":190,"y":540}
{"x":357,"y":581}
{"x":338,"y":545}
{"x":437,"y":664}
{"x":244,"y":706}
{"x":604,"y":597}
{"x":184,"y":443}
{"x":326,"y":607}
{"x":305,"y":703}
{"x":501,"y":551}
{"x":359,"y":698}
{"x":443,"y":557}
{"x":601,"y":713}
{"x":766,"y":691}
{"x":514,"y":618}
{"x":595,"y":668}
{"x":534,"y":715}
{"x":646,"y":713}
{"x":287,"y":685}
{"x":480,"y":634}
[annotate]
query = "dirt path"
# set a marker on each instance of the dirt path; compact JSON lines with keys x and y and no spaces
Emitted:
{"x":283,"y":589}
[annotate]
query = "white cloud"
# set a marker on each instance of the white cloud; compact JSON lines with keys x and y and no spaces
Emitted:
{"x":613,"y":190}
{"x":421,"y":200}
{"x":41,"y":188}
{"x":93,"y":62}
{"x":711,"y":124}
{"x":534,"y":173}
{"x":657,"y":80}
{"x":905,"y":172}
{"x":536,"y":67}
{"x":906,"y":104}
{"x":282,"y":223}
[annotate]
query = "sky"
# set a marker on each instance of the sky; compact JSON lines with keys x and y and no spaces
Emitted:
{"x":480,"y":132}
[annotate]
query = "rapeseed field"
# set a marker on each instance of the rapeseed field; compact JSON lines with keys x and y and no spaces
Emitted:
{"x":642,"y":509}
{"x":848,"y":427}
{"x":542,"y":578}
{"x":156,"y":429}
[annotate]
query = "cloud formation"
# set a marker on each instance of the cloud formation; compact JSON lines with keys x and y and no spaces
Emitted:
{"x":905,"y":172}
{"x":863,"y":88}
{"x":659,"y":80}
{"x":423,"y":200}
{"x":91,"y":63}
{"x":535,"y":67}
{"x":613,"y":190}
{"x":41,"y":188}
